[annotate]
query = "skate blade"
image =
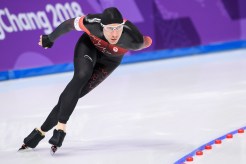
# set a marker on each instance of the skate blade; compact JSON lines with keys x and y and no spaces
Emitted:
{"x":23,"y":148}
{"x":53,"y":149}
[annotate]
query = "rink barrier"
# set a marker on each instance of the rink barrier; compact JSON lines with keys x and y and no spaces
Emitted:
{"x":139,"y":57}
{"x":189,"y":158}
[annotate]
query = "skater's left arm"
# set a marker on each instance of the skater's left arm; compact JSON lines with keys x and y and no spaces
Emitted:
{"x":133,"y":39}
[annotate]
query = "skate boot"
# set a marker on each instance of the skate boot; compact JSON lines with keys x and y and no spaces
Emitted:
{"x":56,"y":140}
{"x":32,"y":140}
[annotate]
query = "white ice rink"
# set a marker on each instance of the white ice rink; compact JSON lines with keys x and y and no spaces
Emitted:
{"x":146,"y":113}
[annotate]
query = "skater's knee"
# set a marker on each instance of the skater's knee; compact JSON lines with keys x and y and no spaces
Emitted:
{"x":82,"y":75}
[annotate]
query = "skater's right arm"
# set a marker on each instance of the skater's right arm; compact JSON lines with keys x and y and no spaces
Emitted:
{"x":74,"y":24}
{"x":47,"y":41}
{"x":63,"y":28}
{"x":78,"y":23}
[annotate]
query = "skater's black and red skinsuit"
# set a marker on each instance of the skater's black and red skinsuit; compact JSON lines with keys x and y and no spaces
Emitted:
{"x":94,"y":60}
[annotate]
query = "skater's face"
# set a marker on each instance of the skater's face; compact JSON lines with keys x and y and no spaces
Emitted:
{"x":112,"y":32}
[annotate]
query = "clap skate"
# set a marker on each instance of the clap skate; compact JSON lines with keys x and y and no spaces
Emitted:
{"x":56,"y":140}
{"x":32,"y":140}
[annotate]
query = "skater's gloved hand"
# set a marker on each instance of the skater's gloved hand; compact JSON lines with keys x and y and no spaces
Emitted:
{"x":45,"y":42}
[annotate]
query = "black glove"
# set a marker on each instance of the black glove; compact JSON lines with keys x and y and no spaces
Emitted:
{"x":46,"y":41}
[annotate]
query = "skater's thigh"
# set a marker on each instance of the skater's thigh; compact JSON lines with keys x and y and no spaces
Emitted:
{"x":100,"y":72}
{"x":85,"y":55}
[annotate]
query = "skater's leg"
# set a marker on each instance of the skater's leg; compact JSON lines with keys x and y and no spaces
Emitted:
{"x":101,"y":71}
{"x":84,"y":60}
